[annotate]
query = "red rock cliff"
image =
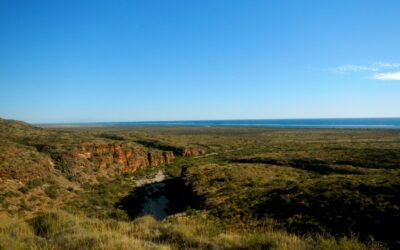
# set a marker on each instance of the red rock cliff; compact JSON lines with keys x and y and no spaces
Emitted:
{"x":129,"y":158}
{"x":186,"y":152}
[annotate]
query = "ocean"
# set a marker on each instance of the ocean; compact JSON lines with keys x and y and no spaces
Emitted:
{"x":375,"y":123}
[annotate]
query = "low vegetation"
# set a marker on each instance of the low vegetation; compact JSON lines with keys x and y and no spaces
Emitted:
{"x":251,"y":188}
{"x":61,"y":230}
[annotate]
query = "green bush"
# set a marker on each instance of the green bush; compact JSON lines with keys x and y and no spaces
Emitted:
{"x":31,"y":185}
{"x":119,"y":214}
{"x":52,"y":191}
{"x":48,"y":224}
{"x":24,"y":189}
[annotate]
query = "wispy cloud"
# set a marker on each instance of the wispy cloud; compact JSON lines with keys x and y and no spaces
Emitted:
{"x":391,"y":76}
{"x":387,"y":65}
{"x":379,"y":68}
{"x":354,"y":68}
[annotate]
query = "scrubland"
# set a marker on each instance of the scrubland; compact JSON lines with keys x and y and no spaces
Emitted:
{"x":239,"y":188}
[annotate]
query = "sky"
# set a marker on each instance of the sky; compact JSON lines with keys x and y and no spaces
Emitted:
{"x":99,"y":61}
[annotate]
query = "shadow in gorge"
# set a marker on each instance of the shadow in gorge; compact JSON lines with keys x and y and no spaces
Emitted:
{"x":159,"y":199}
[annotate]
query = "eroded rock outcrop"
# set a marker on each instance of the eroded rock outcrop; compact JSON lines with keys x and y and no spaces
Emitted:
{"x":129,"y":158}
{"x":191,"y":151}
{"x":178,"y":150}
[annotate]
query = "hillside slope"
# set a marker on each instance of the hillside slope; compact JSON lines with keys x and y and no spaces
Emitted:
{"x":41,"y":167}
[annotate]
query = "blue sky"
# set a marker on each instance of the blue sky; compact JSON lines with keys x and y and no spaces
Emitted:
{"x":83,"y":61}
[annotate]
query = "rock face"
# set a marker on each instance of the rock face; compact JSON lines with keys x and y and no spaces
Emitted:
{"x":178,"y":150}
{"x":90,"y":159}
{"x":187,"y":152}
{"x":129,"y":158}
{"x":158,"y":158}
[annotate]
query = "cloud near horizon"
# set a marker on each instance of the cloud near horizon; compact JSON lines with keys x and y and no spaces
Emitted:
{"x":392,"y":76}
{"x":354,"y":68}
{"x":380,"y":69}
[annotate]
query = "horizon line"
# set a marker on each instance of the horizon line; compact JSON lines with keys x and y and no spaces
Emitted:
{"x":204,"y":120}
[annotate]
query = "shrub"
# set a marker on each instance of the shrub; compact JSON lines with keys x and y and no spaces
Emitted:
{"x":119,"y":214}
{"x":47,"y":224}
{"x":52,"y":191}
{"x":23,"y":189}
{"x":31,"y":185}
